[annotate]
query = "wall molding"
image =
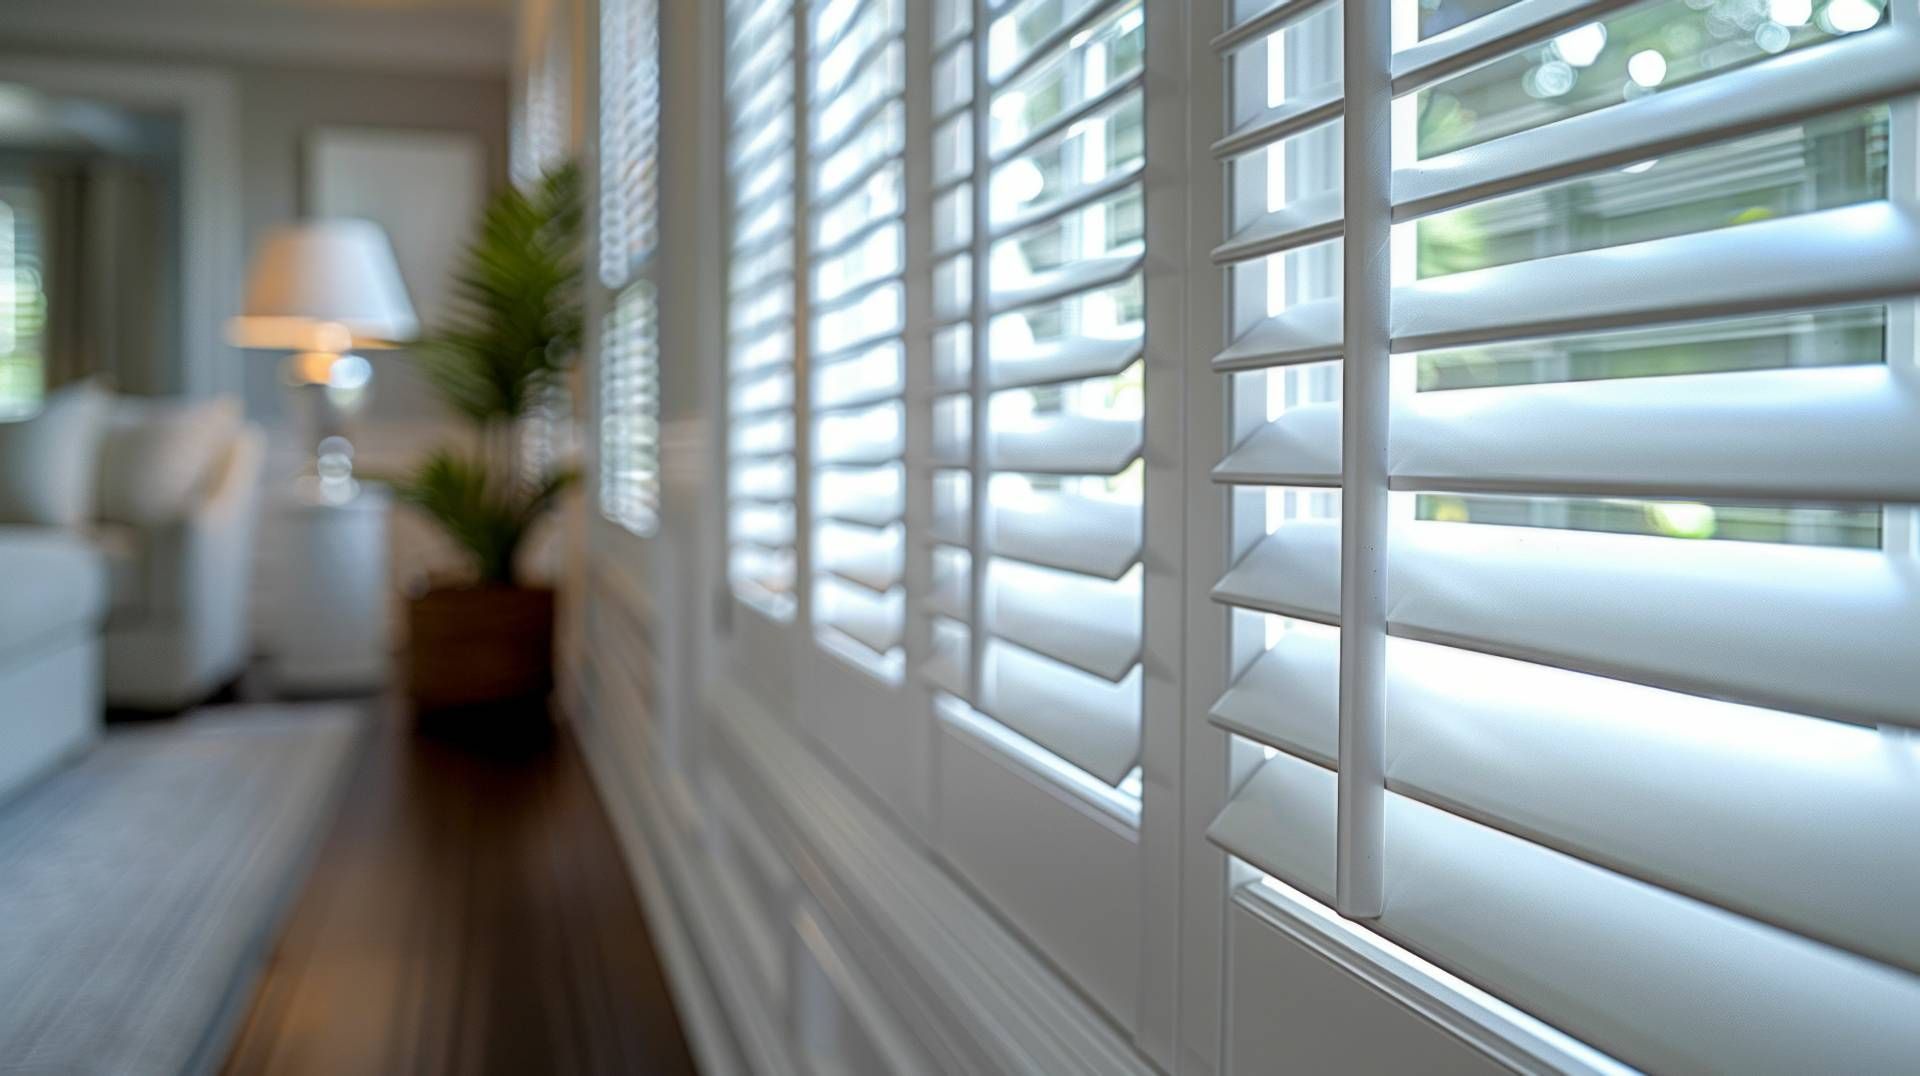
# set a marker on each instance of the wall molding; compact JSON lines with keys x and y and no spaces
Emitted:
{"x":969,"y":993}
{"x":712,"y":998}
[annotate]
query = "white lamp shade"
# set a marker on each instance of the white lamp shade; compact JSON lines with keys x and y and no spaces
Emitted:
{"x":325,"y":285}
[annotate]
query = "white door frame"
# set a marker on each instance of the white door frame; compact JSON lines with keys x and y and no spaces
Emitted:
{"x":210,"y":228}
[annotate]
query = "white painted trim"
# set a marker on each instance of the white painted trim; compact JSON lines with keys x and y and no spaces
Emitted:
{"x":210,"y":228}
{"x":1504,"y":1034}
{"x":979,"y":998}
{"x":710,"y":993}
{"x":471,"y":42}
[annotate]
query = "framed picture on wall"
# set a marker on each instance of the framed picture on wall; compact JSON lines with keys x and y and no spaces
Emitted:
{"x":424,"y":187}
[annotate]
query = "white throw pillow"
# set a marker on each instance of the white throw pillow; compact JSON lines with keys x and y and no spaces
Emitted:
{"x":157,"y":456}
{"x":47,"y":461}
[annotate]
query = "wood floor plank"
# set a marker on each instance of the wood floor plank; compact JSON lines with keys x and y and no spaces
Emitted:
{"x":469,"y":913}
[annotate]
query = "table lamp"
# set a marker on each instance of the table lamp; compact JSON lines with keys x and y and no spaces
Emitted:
{"x":323,"y":289}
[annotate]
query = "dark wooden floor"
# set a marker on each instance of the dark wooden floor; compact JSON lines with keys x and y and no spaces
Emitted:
{"x":469,"y":913}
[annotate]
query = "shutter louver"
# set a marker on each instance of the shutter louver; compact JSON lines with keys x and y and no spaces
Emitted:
{"x":1652,"y":581}
{"x":761,"y":148}
{"x":1038,"y":343}
{"x":856,"y":194}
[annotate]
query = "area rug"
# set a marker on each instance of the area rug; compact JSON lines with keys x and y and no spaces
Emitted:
{"x":140,"y":887}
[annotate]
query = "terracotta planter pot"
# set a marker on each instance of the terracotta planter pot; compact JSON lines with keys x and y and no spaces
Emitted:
{"x":477,"y":646}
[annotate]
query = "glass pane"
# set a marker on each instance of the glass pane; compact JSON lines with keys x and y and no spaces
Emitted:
{"x":878,"y":197}
{"x":876,"y":313}
{"x":881,"y":138}
{"x":1848,"y":527}
{"x":877,"y":256}
{"x":1806,"y":338}
{"x":1110,"y":226}
{"x":1111,"y":52}
{"x":1635,"y":52}
{"x":1107,"y":143}
{"x":1115,"y":312}
{"x":1823,"y":163}
{"x":1012,"y":36}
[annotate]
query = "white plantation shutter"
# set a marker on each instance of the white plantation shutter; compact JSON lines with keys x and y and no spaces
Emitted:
{"x":1626,"y":596}
{"x":856,"y":139}
{"x":1039,"y":238}
{"x":629,"y":370}
{"x":629,"y":137}
{"x":760,"y":303}
{"x":630,"y":410}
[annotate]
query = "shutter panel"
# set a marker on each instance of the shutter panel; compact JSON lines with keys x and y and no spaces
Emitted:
{"x":1652,"y":587}
{"x":760,"y":155}
{"x":856,"y":64}
{"x":629,"y":136}
{"x":1038,"y":222}
{"x":629,"y":372}
{"x":629,"y":410}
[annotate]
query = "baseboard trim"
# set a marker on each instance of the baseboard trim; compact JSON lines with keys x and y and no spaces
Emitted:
{"x":973,"y":994}
{"x":702,"y":1000}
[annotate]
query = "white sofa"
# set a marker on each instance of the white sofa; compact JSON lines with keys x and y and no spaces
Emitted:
{"x":126,"y":533}
{"x":55,"y":599}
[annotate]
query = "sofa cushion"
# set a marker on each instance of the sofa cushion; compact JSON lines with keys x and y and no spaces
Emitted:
{"x":157,"y":456}
{"x":56,"y":587}
{"x":47,"y":461}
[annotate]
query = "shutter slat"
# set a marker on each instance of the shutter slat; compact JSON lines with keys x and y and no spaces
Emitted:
{"x":1308,"y":332}
{"x":1312,"y":219}
{"x":1088,"y":721}
{"x":949,"y":597}
{"x":1854,"y":254}
{"x":1085,"y":274}
{"x":1821,"y":435}
{"x":1075,"y":534}
{"x":1666,"y":982}
{"x":1071,"y":358}
{"x":1080,"y":198}
{"x":1770,"y":836}
{"x":1841,"y":624}
{"x":876,"y":628}
{"x":865,"y":509}
{"x":1300,"y":447}
{"x":1090,"y":624}
{"x":945,"y":667}
{"x":1307,"y":110}
{"x":1069,"y":445}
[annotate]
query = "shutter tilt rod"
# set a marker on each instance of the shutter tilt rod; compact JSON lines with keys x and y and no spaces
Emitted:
{"x":1367,"y":289}
{"x":980,"y":385}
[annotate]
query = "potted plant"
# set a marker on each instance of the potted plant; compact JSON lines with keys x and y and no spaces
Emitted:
{"x":486,"y":635}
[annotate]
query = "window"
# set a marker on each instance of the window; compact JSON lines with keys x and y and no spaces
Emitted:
{"x":629,"y":371}
{"x":1038,"y":228}
{"x":761,"y":159}
{"x":1527,"y":396}
{"x":856,"y":294}
{"x":1570,"y":463}
{"x":23,"y":306}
